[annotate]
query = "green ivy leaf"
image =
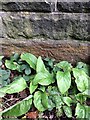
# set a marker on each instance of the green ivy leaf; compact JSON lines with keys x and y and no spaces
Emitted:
{"x":63,"y":81}
{"x":19,"y":108}
{"x":42,"y":88}
{"x":15,"y":87}
{"x":55,"y":97}
{"x":80,"y":97}
{"x":27,"y":71}
{"x":68,"y":111}
{"x":32,"y":87}
{"x":11,"y":65}
{"x":4,"y":74}
{"x":23,"y":66}
{"x":38,"y":101}
{"x":80,"y":111}
{"x":86,"y":93}
{"x":64,"y":65}
{"x":81,"y":79}
{"x":15,"y":57}
{"x":40,"y":65}
{"x":44,"y":99}
{"x":30,"y":59}
{"x":84,"y":67}
{"x":87,"y":112}
{"x":43,"y":78}
{"x":67,"y":101}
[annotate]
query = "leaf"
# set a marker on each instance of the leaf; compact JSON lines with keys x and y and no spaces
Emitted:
{"x":80,"y":111}
{"x":51,"y":104}
{"x":11,"y":65}
{"x":42,"y":88}
{"x":87,"y":112}
{"x":15,"y":57}
{"x":80,"y":97}
{"x":27,"y":71}
{"x":55,"y":97}
{"x":26,"y":77}
{"x":87,"y":93}
{"x":40,"y":65}
{"x":30,"y":59}
{"x":49,"y":62}
{"x":15,"y":87}
{"x":59,"y":112}
{"x":43,"y":78}
{"x":63,"y":81}
{"x":84,"y":67}
{"x":4,"y":74}
{"x":64,"y":65}
{"x":67,"y":101}
{"x":68,"y":111}
{"x":44,"y":99}
{"x":19,"y":108}
{"x":32,"y":87}
{"x":81,"y":79}
{"x":23,"y":67}
{"x":38,"y":101}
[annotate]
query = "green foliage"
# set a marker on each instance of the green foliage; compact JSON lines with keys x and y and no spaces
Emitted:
{"x":15,"y":87}
{"x":64,"y":65}
{"x":4,"y":77}
{"x":52,"y":86}
{"x":81,"y":79}
{"x":84,"y":67}
{"x":82,"y":111}
{"x":30,"y":59}
{"x":41,"y":100}
{"x":63,"y":81}
{"x":19,"y":108}
{"x":43,"y":78}
{"x":67,"y":111}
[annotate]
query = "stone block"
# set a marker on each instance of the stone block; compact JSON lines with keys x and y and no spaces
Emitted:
{"x":74,"y":7}
{"x":72,"y":51}
{"x":27,"y":6}
{"x":54,"y":26}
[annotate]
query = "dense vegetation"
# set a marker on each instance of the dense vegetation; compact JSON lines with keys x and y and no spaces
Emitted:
{"x":30,"y":84}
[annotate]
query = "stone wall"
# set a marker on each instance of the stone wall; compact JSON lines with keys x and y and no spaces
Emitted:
{"x":54,"y":28}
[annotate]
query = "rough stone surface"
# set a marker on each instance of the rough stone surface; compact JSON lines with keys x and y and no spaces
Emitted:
{"x":27,"y":6}
{"x":74,"y":7}
{"x":58,"y":29}
{"x":72,"y":51}
{"x":47,"y":25}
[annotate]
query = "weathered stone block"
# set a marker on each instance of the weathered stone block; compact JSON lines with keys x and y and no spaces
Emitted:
{"x":48,"y":26}
{"x":27,"y":6}
{"x":74,"y":7}
{"x":72,"y":51}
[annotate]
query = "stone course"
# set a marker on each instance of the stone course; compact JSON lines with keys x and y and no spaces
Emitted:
{"x":43,"y":28}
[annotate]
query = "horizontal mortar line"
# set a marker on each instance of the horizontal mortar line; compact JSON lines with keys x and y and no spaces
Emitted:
{"x":43,"y":1}
{"x":57,"y":12}
{"x":56,"y":15}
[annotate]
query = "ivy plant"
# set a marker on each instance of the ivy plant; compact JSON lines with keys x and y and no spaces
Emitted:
{"x":58,"y":86}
